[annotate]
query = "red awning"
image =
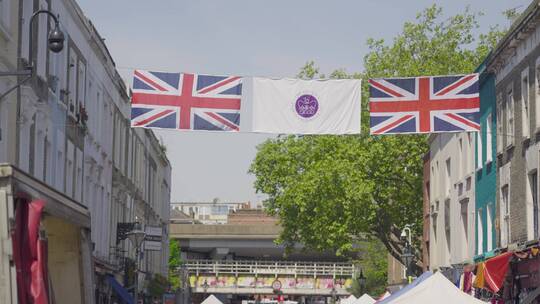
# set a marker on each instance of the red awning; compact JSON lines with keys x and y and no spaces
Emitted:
{"x":495,"y":270}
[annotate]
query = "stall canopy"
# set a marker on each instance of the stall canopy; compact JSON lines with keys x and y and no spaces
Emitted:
{"x":434,"y":289}
{"x":350,"y":300}
{"x":212,"y":300}
{"x":406,"y":289}
{"x":365,"y":299}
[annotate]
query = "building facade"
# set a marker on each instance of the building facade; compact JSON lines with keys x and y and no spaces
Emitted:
{"x":67,"y":129}
{"x":426,"y":213}
{"x":214,"y":212}
{"x":451,"y":183}
{"x":486,"y":168}
{"x":9,"y":32}
{"x":516,"y":64}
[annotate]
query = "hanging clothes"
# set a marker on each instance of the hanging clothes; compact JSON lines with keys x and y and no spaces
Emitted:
{"x":479,"y":281}
{"x":466,"y":282}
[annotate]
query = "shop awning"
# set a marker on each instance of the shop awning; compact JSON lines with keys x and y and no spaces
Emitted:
{"x":120,"y":290}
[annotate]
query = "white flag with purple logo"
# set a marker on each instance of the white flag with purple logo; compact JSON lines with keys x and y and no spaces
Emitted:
{"x":295,"y":106}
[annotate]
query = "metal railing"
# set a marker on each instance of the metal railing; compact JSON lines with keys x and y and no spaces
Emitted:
{"x":270,"y":268}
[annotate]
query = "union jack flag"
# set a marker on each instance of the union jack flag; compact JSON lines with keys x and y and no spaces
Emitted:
{"x":424,"y":104}
{"x":186,"y":101}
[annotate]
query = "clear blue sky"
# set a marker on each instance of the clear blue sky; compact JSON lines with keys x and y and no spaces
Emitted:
{"x":249,"y":37}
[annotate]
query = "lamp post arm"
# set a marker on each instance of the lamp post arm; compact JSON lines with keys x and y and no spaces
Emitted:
{"x":14,"y":87}
{"x":30,"y":32}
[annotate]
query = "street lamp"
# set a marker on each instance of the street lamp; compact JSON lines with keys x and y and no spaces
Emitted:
{"x":205,"y":288}
{"x":136,"y":237}
{"x":334,"y":294}
{"x":407,"y":255}
{"x":362,"y":281}
{"x":55,"y":42}
{"x":404,"y":233}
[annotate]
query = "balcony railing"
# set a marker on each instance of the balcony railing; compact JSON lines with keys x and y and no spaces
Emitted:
{"x":270,"y":268}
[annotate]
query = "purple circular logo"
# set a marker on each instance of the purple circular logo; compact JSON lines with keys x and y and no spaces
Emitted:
{"x":307,"y":106}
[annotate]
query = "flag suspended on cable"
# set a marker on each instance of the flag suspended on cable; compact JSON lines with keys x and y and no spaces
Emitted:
{"x":185,"y":101}
{"x":424,"y":104}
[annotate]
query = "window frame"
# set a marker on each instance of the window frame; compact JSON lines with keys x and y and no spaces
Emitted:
{"x":510,"y":116}
{"x":525,"y":103}
{"x":489,"y":139}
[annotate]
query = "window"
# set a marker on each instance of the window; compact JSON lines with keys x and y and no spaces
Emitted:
{"x":525,"y":106}
{"x":489,"y":140}
{"x":459,"y":161}
{"x":433,"y":178}
{"x":505,"y":214}
{"x":448,"y":176}
{"x":533,"y":186}
{"x":32,"y":146}
{"x":536,"y":94}
{"x":46,"y":149}
{"x":434,"y":212}
{"x":489,"y":228}
{"x":81,"y":81}
{"x":479,"y":159}
{"x":499,"y":124}
{"x":220,"y":210}
{"x":72,"y":77}
{"x":510,"y":130}
{"x":479,"y":233}
{"x":447,"y":224}
{"x":465,"y":218}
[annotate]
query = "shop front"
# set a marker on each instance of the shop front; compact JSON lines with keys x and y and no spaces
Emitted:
{"x":524,"y":276}
{"x":45,"y":239}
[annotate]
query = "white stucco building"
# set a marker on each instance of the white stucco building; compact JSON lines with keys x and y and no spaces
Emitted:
{"x":68,"y":130}
{"x":451,"y":199}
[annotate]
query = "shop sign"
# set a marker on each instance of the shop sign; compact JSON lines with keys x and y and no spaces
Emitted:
{"x":152,"y":240}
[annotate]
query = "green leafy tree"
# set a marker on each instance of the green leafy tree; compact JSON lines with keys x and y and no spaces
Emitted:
{"x":374,"y":265}
{"x":330,"y":191}
{"x":175,"y":262}
{"x":157,"y":286}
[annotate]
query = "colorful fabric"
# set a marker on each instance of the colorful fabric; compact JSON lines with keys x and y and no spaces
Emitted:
{"x":186,"y":101}
{"x":30,"y":253}
{"x":466,"y":281}
{"x":424,"y":104}
{"x":495,"y":270}
{"x":479,"y":281}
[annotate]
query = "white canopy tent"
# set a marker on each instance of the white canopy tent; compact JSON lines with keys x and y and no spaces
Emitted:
{"x":350,"y":300}
{"x":435,"y":289}
{"x":212,"y":300}
{"x":365,"y":299}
